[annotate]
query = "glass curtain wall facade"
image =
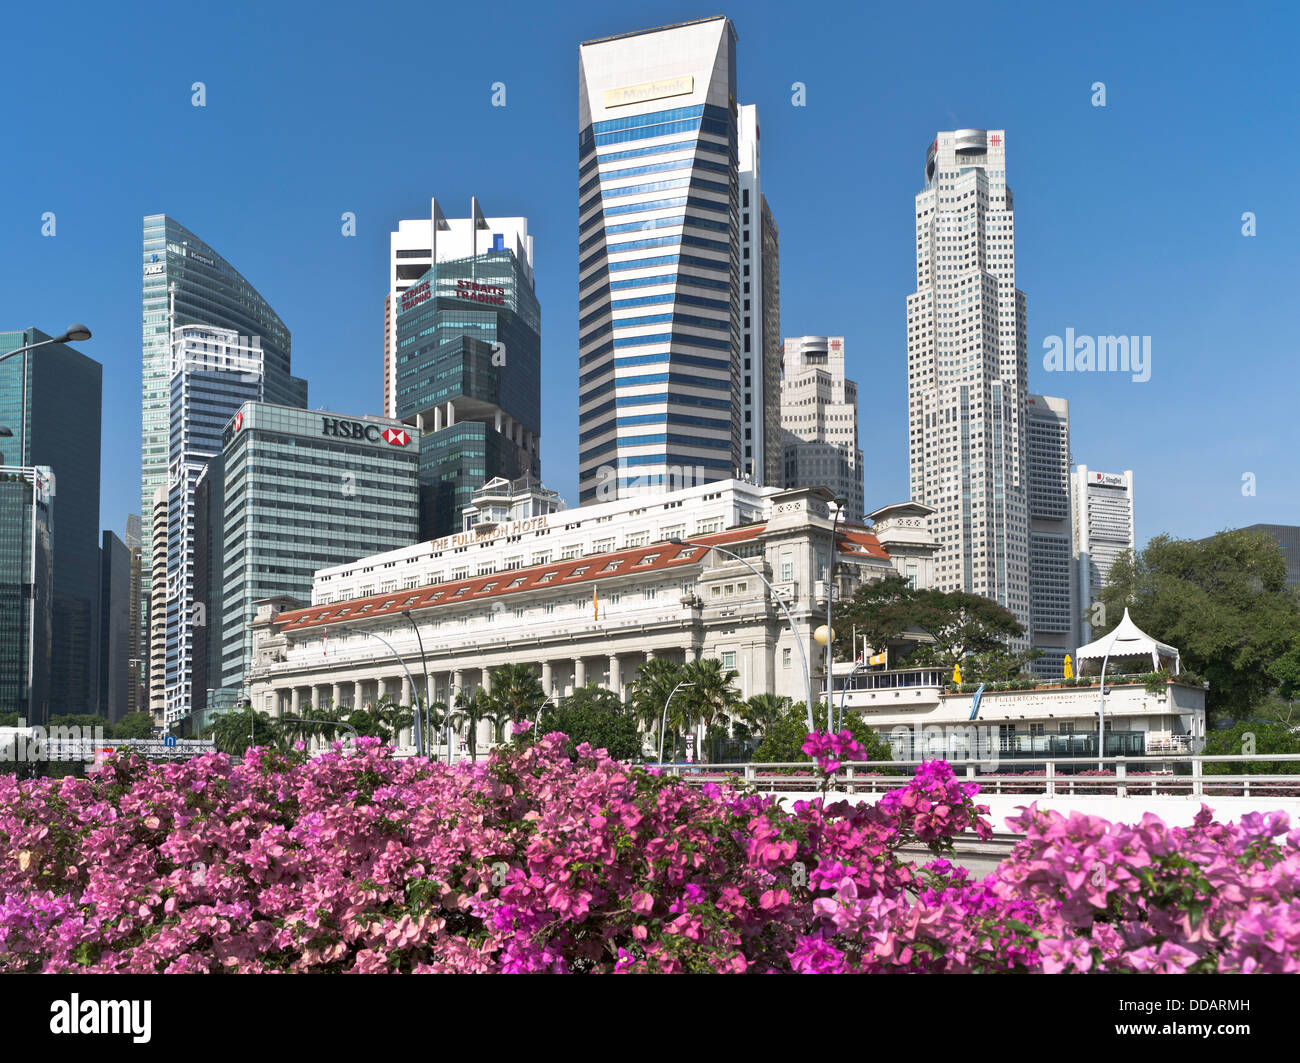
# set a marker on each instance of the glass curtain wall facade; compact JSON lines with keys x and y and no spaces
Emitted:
{"x":1052,"y":607}
{"x":50,"y":398}
{"x":26,"y":591}
{"x":659,"y":272}
{"x":186,"y":282}
{"x":469,"y":379}
{"x":215,"y":371}
{"x":305,"y":490}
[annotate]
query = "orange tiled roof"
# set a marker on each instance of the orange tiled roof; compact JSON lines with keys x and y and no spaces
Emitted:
{"x":572,"y":572}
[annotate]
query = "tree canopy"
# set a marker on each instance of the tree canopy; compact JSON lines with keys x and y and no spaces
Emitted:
{"x":964,"y":628}
{"x":1224,"y":603}
{"x":595,"y":715}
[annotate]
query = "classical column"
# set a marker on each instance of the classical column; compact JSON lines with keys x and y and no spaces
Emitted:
{"x":649,"y":656}
{"x":548,"y":683}
{"x":336,"y":691}
{"x":295,"y":702}
{"x":615,"y":675}
{"x":487,"y":680}
{"x":407,"y":692}
{"x":579,"y":673}
{"x":357,"y":694}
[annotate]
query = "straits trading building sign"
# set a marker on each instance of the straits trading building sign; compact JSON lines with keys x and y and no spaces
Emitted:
{"x":500,"y":531}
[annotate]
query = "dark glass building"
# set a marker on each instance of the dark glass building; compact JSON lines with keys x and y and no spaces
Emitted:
{"x":26,"y":577}
{"x":468,"y":356}
{"x":50,"y":400}
{"x":115,"y":595}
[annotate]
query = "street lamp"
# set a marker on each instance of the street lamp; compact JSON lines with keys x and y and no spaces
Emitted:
{"x":345,"y":630}
{"x":839,"y":723}
{"x":803,"y":654}
{"x":420,"y":642}
{"x":74,"y":333}
{"x":663,"y":724}
{"x":840,"y":504}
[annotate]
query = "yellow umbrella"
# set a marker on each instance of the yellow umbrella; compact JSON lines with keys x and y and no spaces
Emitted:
{"x":1069,"y":667}
{"x":956,"y":673}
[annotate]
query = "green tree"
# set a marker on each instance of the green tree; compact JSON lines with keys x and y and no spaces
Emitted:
{"x":516,"y":692}
{"x":473,"y":710}
{"x":785,"y":736}
{"x":369,"y":723}
{"x":134,"y":725}
{"x":760,"y":711}
{"x":597,"y":716}
{"x":231,"y":731}
{"x":650,"y":690}
{"x":962,"y":628}
{"x":1223,"y":602}
{"x":1253,"y":737}
{"x":712,"y":695}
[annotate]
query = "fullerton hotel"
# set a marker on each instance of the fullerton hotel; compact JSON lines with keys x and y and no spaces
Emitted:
{"x":721,"y":570}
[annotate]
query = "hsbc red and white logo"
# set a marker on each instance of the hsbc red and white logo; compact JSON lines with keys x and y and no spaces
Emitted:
{"x":239,"y":421}
{"x":397,"y":437}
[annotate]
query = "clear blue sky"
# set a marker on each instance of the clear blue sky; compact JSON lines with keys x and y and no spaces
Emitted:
{"x":1128,"y":217}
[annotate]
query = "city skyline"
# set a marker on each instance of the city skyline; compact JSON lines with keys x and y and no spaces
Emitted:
{"x":1079,"y":171}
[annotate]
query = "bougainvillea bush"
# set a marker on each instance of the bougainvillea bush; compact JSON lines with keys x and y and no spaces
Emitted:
{"x":531,"y":861}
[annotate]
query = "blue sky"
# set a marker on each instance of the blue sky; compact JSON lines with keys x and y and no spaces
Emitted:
{"x":1128,"y":216}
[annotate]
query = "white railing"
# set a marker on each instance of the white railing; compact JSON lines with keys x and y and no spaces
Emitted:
{"x":1130,"y":777}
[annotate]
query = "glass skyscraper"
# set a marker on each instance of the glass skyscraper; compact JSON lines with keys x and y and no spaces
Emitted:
{"x":26,"y":578}
{"x":50,"y":400}
{"x":659,"y":269}
{"x":186,"y":282}
{"x":214,"y":372}
{"x":303,"y":490}
{"x":468,"y":365}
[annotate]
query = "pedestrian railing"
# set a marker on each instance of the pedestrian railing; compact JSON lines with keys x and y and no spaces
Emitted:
{"x":1166,"y":775}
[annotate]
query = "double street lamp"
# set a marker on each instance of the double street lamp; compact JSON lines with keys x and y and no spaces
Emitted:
{"x":663,"y":723}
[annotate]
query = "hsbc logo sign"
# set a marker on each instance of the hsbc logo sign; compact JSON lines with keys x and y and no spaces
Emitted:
{"x":372,"y":433}
{"x":238,"y":422}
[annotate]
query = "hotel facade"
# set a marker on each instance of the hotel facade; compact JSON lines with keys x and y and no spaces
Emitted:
{"x":583,"y":596}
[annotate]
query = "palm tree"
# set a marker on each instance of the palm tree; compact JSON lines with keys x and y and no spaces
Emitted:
{"x":516,"y":691}
{"x":761,"y":710}
{"x":649,"y":691}
{"x":712,"y":694}
{"x":471,"y":711}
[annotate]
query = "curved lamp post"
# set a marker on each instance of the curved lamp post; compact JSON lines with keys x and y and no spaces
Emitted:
{"x":840,"y":503}
{"x":425,"y":664}
{"x":839,"y":723}
{"x":75,"y":333}
{"x":370,"y":634}
{"x":663,"y":724}
{"x":803,"y":654}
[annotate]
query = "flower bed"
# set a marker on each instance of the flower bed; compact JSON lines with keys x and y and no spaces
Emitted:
{"x":530,"y":862}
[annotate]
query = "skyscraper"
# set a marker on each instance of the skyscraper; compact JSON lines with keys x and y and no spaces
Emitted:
{"x":659,"y":264}
{"x":50,"y":399}
{"x":347,"y":487}
{"x":115,"y":595}
{"x":137,"y":699}
{"x":158,"y":607}
{"x":214,"y":372}
{"x":468,"y":361}
{"x":819,"y":421}
{"x":186,"y":282}
{"x":760,"y":310}
{"x":1103,"y":529}
{"x":967,"y":370}
{"x":26,"y":591}
{"x":1053,"y":610}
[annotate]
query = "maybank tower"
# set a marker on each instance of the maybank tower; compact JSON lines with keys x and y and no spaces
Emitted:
{"x":659,"y":273}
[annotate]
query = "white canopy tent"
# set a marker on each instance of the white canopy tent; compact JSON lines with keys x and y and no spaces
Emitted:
{"x":1126,"y":641}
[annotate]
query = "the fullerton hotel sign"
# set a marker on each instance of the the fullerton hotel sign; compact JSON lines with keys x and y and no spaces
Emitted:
{"x":499,"y":531}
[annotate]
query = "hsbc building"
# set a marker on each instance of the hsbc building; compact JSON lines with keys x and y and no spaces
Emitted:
{"x":300,"y":490}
